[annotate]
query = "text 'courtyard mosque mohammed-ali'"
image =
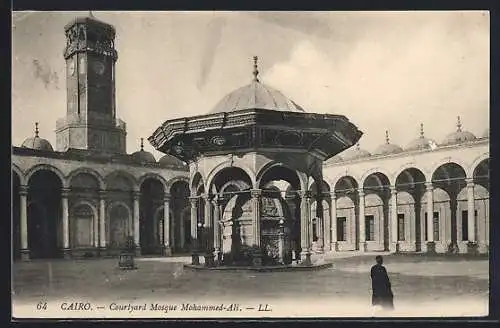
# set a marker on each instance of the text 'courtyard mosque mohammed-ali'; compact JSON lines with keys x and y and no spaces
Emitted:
{"x":86,"y":197}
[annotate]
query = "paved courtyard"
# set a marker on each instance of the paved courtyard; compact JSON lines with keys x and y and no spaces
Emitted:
{"x":434,"y":283}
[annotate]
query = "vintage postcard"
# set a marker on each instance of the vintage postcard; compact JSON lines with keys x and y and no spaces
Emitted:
{"x":250,"y":164}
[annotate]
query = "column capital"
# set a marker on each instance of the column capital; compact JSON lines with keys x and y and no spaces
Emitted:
{"x":65,"y":192}
{"x":470,"y":182}
{"x":136,"y":194}
{"x":304,"y":193}
{"x":361,"y":192}
{"x":102,"y":193}
{"x":167,"y":197}
{"x":256,"y":193}
{"x":194,"y":201}
{"x":207,"y":198}
{"x":429,"y":186}
{"x":23,"y":190}
{"x":394,"y":190}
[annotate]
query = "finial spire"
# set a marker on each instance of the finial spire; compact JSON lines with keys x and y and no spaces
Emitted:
{"x":421,"y":130}
{"x":459,"y":124}
{"x":142,"y":144}
{"x":36,"y":129}
{"x":387,"y":136}
{"x":255,"y":69}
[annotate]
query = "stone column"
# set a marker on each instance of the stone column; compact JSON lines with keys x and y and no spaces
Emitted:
{"x":217,"y":222}
{"x":394,"y":220}
{"x":471,"y":222}
{"x":25,"y":252}
{"x":137,"y":225}
{"x":431,"y":248}
{"x":195,"y":260}
{"x":65,"y":223}
{"x":334,"y":223}
{"x":166,"y":226}
{"x":256,"y":198}
{"x":102,"y":220}
{"x":362,"y":232}
{"x":320,"y":224}
{"x":182,"y":236}
{"x":208,"y":232}
{"x":327,"y":223}
{"x":305,"y":221}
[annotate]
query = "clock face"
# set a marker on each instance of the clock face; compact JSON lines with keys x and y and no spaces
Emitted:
{"x":71,"y":67}
{"x":99,"y":67}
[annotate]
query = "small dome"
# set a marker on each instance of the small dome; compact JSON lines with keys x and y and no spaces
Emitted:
{"x":387,"y":148}
{"x":355,"y":153}
{"x":458,"y":136}
{"x":36,"y":142}
{"x":255,"y":95}
{"x":168,"y":160}
{"x":422,"y":142}
{"x":486,"y":133}
{"x":143,"y":156}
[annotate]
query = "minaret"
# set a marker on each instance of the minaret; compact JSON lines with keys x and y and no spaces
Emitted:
{"x":90,"y":121}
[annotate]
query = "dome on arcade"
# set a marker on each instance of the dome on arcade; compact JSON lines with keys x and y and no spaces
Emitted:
{"x":355,"y":153}
{"x":387,"y":148}
{"x":458,"y":136}
{"x":143,"y":156}
{"x":168,"y":160}
{"x":36,"y":142}
{"x":256,"y":95}
{"x":421,"y":142}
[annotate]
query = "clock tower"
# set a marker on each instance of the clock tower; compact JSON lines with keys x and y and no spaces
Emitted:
{"x":90,"y":121}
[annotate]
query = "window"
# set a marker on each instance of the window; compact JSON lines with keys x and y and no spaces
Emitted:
{"x":315,"y":229}
{"x":435,"y":226}
{"x":475,"y":225}
{"x":465,"y":225}
{"x":369,"y":227}
{"x":401,"y":227}
{"x":426,"y":226}
{"x":341,"y":229}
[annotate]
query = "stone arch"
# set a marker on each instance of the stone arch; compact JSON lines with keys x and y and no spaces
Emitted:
{"x":131,"y":179}
{"x":93,"y":232}
{"x":342,"y":176}
{"x":267,"y":167}
{"x":47,"y":167}
{"x":448,"y":160}
{"x":229,"y":164}
{"x":153,"y":176}
{"x":470,"y":170}
{"x":369,"y":172}
{"x":88,"y":171}
{"x":20,"y":174}
{"x":173,"y":180}
{"x":410,"y":165}
{"x":195,"y":181}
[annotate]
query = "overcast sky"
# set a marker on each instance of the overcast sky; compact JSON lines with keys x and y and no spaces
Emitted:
{"x":384,"y":71}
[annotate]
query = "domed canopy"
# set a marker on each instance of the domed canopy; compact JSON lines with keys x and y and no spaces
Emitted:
{"x":256,"y":95}
{"x":355,"y":153}
{"x":36,"y":142}
{"x":169,"y":160}
{"x":458,"y":136}
{"x":387,"y":148}
{"x":143,"y":156}
{"x":422,"y":142}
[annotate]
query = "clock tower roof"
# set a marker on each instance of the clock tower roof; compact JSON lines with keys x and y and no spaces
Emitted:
{"x":89,"y":20}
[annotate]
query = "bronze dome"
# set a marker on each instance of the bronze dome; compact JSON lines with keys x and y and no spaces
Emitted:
{"x":36,"y":142}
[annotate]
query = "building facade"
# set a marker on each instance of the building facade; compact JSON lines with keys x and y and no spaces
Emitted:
{"x":88,"y":195}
